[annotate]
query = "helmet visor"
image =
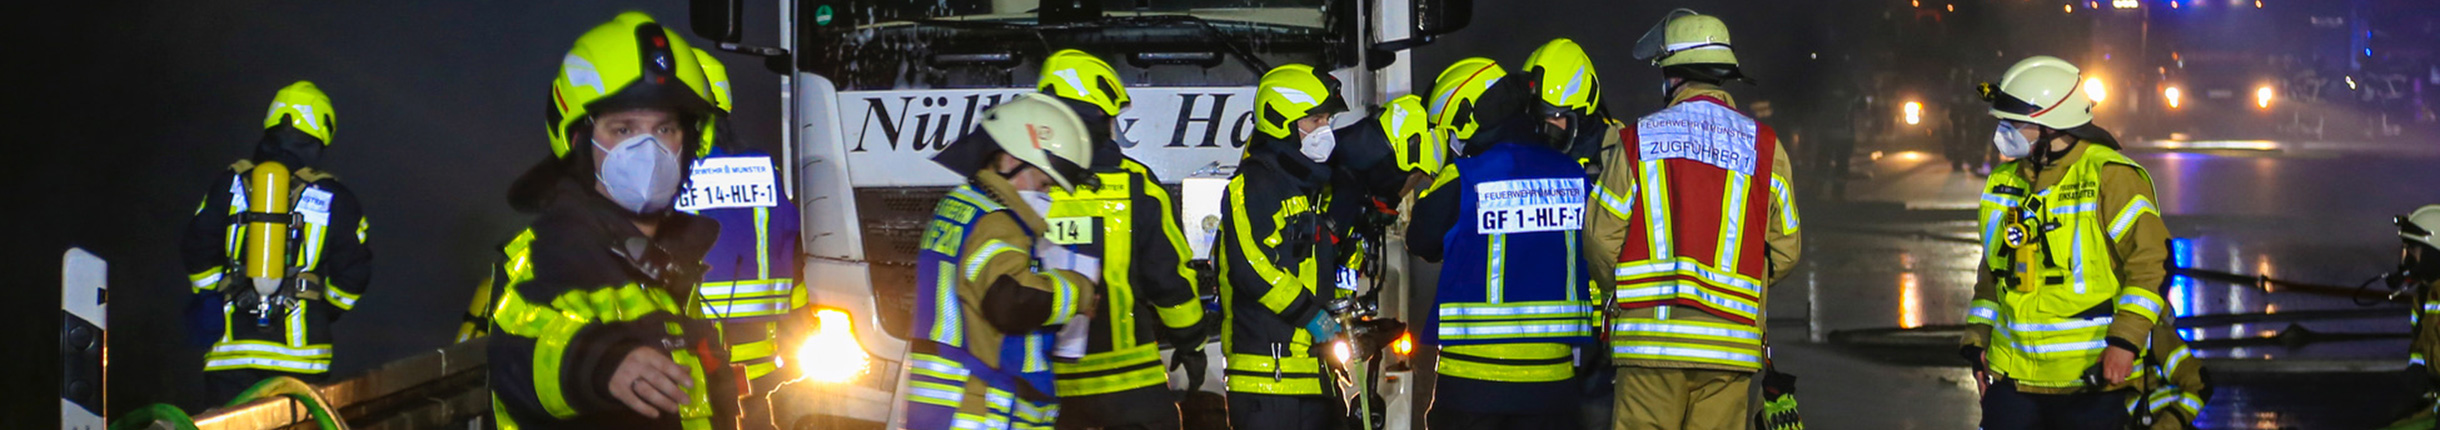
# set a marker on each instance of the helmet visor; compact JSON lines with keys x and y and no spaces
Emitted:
{"x":1654,"y":46}
{"x":2002,"y":102}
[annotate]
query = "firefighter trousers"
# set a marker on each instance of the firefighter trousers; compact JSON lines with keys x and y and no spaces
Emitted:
{"x":2005,"y":408}
{"x":1651,"y":398}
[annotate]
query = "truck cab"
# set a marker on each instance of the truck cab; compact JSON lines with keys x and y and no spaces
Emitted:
{"x":872,"y":89}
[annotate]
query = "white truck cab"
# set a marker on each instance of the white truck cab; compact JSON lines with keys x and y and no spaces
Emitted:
{"x":874,"y":88}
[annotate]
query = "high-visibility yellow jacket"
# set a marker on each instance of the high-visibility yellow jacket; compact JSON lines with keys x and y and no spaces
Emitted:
{"x":580,"y":296}
{"x":2073,"y":264}
{"x":1696,"y":207}
{"x":1278,"y":256}
{"x":1130,"y":224}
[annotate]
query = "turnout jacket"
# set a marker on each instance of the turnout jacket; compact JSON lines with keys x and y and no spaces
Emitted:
{"x":587,"y":288}
{"x":1278,"y":255}
{"x":327,"y":243}
{"x":1695,"y":208}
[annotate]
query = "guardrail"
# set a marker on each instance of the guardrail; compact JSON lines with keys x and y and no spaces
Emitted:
{"x":443,"y":388}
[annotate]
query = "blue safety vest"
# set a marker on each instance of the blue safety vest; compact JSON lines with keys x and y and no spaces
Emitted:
{"x":1511,"y":272}
{"x":939,"y":368}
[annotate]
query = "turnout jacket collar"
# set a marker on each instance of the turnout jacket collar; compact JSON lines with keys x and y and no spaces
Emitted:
{"x":1005,"y":193}
{"x":587,"y":222}
{"x":1281,"y":155}
{"x":1698,"y":91}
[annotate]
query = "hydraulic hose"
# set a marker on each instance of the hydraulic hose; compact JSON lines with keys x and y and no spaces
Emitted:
{"x":163,"y":413}
{"x":294,"y":390}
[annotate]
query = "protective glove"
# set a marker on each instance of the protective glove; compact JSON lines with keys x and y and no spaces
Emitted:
{"x":1190,"y":356}
{"x":1323,"y":326}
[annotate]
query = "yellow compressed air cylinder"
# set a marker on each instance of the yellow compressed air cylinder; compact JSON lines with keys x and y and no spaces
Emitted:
{"x":266,"y":251}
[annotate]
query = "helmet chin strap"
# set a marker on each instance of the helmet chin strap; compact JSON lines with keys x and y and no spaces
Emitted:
{"x":2042,"y":155}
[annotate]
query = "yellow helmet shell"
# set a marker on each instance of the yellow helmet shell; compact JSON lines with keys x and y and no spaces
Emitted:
{"x":303,"y":106}
{"x":1454,"y":94}
{"x":1292,"y":92}
{"x":1696,"y":39}
{"x":1563,"y":76}
{"x":717,"y":74}
{"x":631,"y":61}
{"x":1080,"y":76}
{"x":1410,"y":134}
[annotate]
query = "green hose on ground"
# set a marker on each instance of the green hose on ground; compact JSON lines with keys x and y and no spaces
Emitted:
{"x":295,"y":390}
{"x":291,"y":388}
{"x":144,"y":418}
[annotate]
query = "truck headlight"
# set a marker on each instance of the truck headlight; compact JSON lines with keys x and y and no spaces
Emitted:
{"x":832,"y":354}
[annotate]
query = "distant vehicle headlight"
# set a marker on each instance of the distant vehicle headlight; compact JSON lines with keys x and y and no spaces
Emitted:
{"x":1914,"y":113}
{"x":2262,"y":97}
{"x":2093,"y":89}
{"x":2174,"y":96}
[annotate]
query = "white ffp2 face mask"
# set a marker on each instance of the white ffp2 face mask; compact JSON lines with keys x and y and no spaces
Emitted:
{"x":639,"y":173}
{"x":1318,"y":144}
{"x":2012,"y":144}
{"x":1039,"y":200}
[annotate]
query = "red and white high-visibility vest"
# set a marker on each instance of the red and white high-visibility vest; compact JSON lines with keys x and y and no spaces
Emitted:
{"x":1694,"y":252}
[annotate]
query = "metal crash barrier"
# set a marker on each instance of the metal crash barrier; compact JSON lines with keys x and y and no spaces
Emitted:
{"x":442,"y":388}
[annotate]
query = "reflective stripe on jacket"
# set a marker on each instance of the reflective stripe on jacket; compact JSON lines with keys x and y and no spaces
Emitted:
{"x":1506,"y":309}
{"x":1698,"y":206}
{"x":2058,"y":292}
{"x":326,"y":244}
{"x":751,"y":283}
{"x":977,"y":360}
{"x":1276,"y":256}
{"x":1130,"y":225}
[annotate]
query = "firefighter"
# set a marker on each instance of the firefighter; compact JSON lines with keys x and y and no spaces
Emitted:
{"x":1279,"y":254}
{"x":751,"y":286}
{"x":1508,"y":319}
{"x":1696,"y":213}
{"x":1129,"y":225}
{"x":1385,"y":158}
{"x":1454,"y":94}
{"x":589,"y":326}
{"x":984,"y":299}
{"x":2418,"y":271}
{"x":278,"y":250}
{"x":2068,"y":295}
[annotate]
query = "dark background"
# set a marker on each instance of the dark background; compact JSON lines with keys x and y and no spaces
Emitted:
{"x":139,"y":106}
{"x":123,"y":112}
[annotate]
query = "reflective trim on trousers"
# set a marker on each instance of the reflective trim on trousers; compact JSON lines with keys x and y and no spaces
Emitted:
{"x":266,"y":363}
{"x":243,"y":347}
